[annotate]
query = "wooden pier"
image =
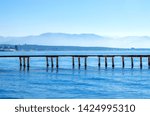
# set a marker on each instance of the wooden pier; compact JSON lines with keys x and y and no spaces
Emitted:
{"x":24,"y":60}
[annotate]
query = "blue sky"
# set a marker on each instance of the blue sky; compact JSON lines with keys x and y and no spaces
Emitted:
{"x":103,"y":17}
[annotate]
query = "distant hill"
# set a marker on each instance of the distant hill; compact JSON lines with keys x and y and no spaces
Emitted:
{"x":55,"y":39}
{"x":85,"y":40}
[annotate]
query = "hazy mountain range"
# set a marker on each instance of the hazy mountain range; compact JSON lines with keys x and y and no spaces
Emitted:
{"x":93,"y":40}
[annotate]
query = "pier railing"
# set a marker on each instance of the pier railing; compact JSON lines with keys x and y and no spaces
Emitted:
{"x":24,"y":60}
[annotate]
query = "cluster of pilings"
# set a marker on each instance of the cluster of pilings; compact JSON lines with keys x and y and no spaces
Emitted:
{"x":99,"y":61}
{"x":52,"y":61}
{"x":24,"y":61}
{"x":73,"y":61}
{"x":123,"y":61}
{"x":85,"y":61}
{"x":132,"y":62}
{"x":79,"y":61}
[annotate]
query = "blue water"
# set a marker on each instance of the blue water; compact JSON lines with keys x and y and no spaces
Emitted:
{"x":65,"y":82}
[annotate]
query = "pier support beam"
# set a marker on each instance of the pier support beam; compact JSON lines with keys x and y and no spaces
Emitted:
{"x":57,"y":62}
{"x":79,"y":62}
{"x":47,"y":63}
{"x":85,"y":62}
{"x":20,"y":60}
{"x":99,"y":61}
{"x":113,"y":65}
{"x":141,"y":62}
{"x":123,"y":61}
{"x":52,"y":63}
{"x":132,"y":65}
{"x":105,"y":61}
{"x":149,"y":62}
{"x":24,"y":61}
{"x":28,"y":61}
{"x":73,"y":64}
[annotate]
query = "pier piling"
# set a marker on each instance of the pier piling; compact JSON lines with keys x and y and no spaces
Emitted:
{"x":79,"y":62}
{"x":149,"y":62}
{"x":20,"y":60}
{"x":140,"y":62}
{"x":99,"y":61}
{"x":132,"y":65}
{"x":57,"y":65}
{"x":123,"y":61}
{"x":113,"y":65}
{"x":73,"y":64}
{"x":47,"y":63}
{"x":24,"y":61}
{"x":85,"y":62}
{"x":105,"y":61}
{"x":52,"y":64}
{"x":28,"y":61}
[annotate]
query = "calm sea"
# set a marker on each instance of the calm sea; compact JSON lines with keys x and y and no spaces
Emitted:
{"x":65,"y":82}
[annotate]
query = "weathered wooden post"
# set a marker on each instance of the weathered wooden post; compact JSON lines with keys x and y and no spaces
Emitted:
{"x":73,"y":62}
{"x":24,"y":61}
{"x":123,"y":61}
{"x":28,"y":62}
{"x":99,"y":61}
{"x":132,"y":65}
{"x":113,"y":65}
{"x":85,"y":62}
{"x":57,"y":62}
{"x":105,"y":61}
{"x":52,"y":64}
{"x":79,"y":62}
{"x":149,"y":62}
{"x":47,"y":63}
{"x":141,"y":62}
{"x":20,"y":60}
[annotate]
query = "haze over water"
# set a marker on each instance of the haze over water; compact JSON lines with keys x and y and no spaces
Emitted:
{"x":65,"y":82}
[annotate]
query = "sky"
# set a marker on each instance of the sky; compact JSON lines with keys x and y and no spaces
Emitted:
{"x":102,"y":17}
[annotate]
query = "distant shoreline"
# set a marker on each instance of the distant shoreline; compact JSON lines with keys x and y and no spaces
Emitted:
{"x":27,"y":47}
